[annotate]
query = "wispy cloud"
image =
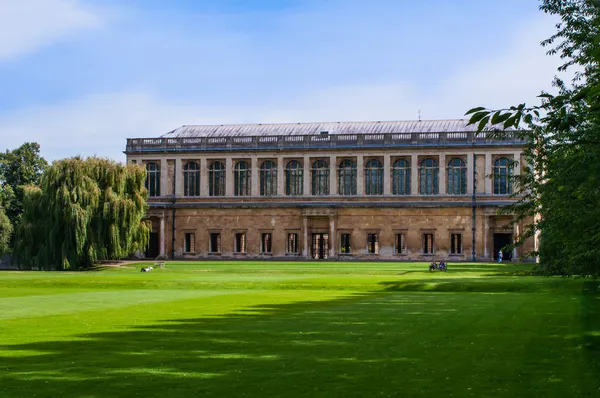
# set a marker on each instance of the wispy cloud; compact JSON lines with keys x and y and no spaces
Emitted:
{"x":310,"y":65}
{"x":27,"y":25}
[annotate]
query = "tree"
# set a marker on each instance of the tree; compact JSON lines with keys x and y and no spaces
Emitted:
{"x":84,"y":211}
{"x":19,"y":167}
{"x":560,"y":189}
{"x":5,"y":232}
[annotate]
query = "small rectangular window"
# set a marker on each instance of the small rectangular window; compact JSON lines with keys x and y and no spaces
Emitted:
{"x":455,"y":243}
{"x":189,"y":242}
{"x":345,"y":243}
{"x":215,"y":242}
{"x":400,"y":244}
{"x":373,"y":243}
{"x":427,"y":243}
{"x":240,"y":243}
{"x":292,"y":243}
{"x":266,"y":242}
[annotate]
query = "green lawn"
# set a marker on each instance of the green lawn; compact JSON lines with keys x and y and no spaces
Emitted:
{"x":253,"y":329}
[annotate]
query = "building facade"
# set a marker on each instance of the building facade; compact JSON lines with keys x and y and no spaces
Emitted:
{"x":406,"y":190}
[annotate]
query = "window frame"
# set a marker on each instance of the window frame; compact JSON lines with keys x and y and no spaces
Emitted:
{"x":341,"y":246}
{"x":319,"y":178}
{"x":508,"y":170}
{"x":191,"y":177}
{"x":456,"y":174}
{"x":189,"y":242}
{"x":398,"y":180}
{"x":219,"y":243}
{"x":375,"y":245}
{"x":460,"y":252}
{"x":235,"y":242}
{"x":153,"y":176}
{"x":217,"y":179}
{"x":424,"y":247}
{"x":294,"y":178}
{"x":347,"y":177}
{"x":373,"y":176}
{"x":297,"y":243}
{"x":429,"y":177}
{"x":404,"y":234}
{"x":262,"y":235}
{"x":242,"y":178}
{"x":267,"y":176}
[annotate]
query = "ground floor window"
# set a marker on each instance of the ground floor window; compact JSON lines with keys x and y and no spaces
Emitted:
{"x":400,"y":243}
{"x":373,"y":243}
{"x":345,"y":243}
{"x":189,"y":242}
{"x":292,"y":243}
{"x":239,"y":245}
{"x":456,"y":244}
{"x":214,"y":244}
{"x":428,"y":243}
{"x":266,"y":242}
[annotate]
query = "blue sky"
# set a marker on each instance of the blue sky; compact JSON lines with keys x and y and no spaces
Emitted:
{"x":80,"y":77}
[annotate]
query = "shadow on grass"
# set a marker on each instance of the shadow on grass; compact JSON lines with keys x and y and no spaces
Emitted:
{"x":442,"y":282}
{"x":361,"y":345}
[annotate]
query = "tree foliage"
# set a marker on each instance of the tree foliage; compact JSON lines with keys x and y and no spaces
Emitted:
{"x":84,"y":210}
{"x":560,"y":188}
{"x":18,"y":168}
{"x":5,"y":232}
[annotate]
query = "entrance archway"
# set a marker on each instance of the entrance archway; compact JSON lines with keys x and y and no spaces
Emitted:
{"x":320,"y":246}
{"x":500,"y":241}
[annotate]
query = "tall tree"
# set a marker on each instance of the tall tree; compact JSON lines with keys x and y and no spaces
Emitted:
{"x":559,"y":190}
{"x":19,"y":167}
{"x":84,"y":210}
{"x":5,"y":232}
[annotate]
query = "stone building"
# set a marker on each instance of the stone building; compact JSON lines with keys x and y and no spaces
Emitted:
{"x":413,"y":190}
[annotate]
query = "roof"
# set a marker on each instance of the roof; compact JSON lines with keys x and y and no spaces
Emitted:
{"x":286,"y":129}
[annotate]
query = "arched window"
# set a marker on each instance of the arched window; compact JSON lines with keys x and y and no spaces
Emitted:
{"x":191,"y":179}
{"x":216,"y":179}
{"x":503,"y":171}
{"x":457,"y":177}
{"x":374,"y":177}
{"x":401,"y":177}
{"x":293,"y":179}
{"x":320,"y":178}
{"x":429,"y":177}
{"x":347,"y":177}
{"x":268,"y":178}
{"x":242,"y":179}
{"x":153,"y":179}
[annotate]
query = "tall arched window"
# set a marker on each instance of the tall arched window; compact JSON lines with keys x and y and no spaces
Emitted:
{"x":268,"y":178}
{"x":293,"y":179}
{"x":191,"y":179}
{"x":457,"y":177}
{"x":429,"y":177}
{"x":503,"y":171}
{"x":374,"y":177}
{"x":320,"y":178}
{"x":242,"y":179}
{"x":401,"y":177}
{"x":347,"y":177}
{"x":216,"y":179}
{"x":153,"y":179}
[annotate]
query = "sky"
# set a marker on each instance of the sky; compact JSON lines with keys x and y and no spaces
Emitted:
{"x":81,"y":76}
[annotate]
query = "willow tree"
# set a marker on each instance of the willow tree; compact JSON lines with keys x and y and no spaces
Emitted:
{"x":5,"y":231}
{"x":83,"y":211}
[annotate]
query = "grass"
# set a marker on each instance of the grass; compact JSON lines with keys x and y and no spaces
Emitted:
{"x":256,"y":329}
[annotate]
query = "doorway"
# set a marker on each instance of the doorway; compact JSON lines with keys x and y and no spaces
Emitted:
{"x":152,"y":249}
{"x":320,"y":246}
{"x":500,"y":241}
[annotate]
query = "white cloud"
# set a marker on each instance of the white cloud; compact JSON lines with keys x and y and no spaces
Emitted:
{"x":100,"y":124}
{"x":27,"y":25}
